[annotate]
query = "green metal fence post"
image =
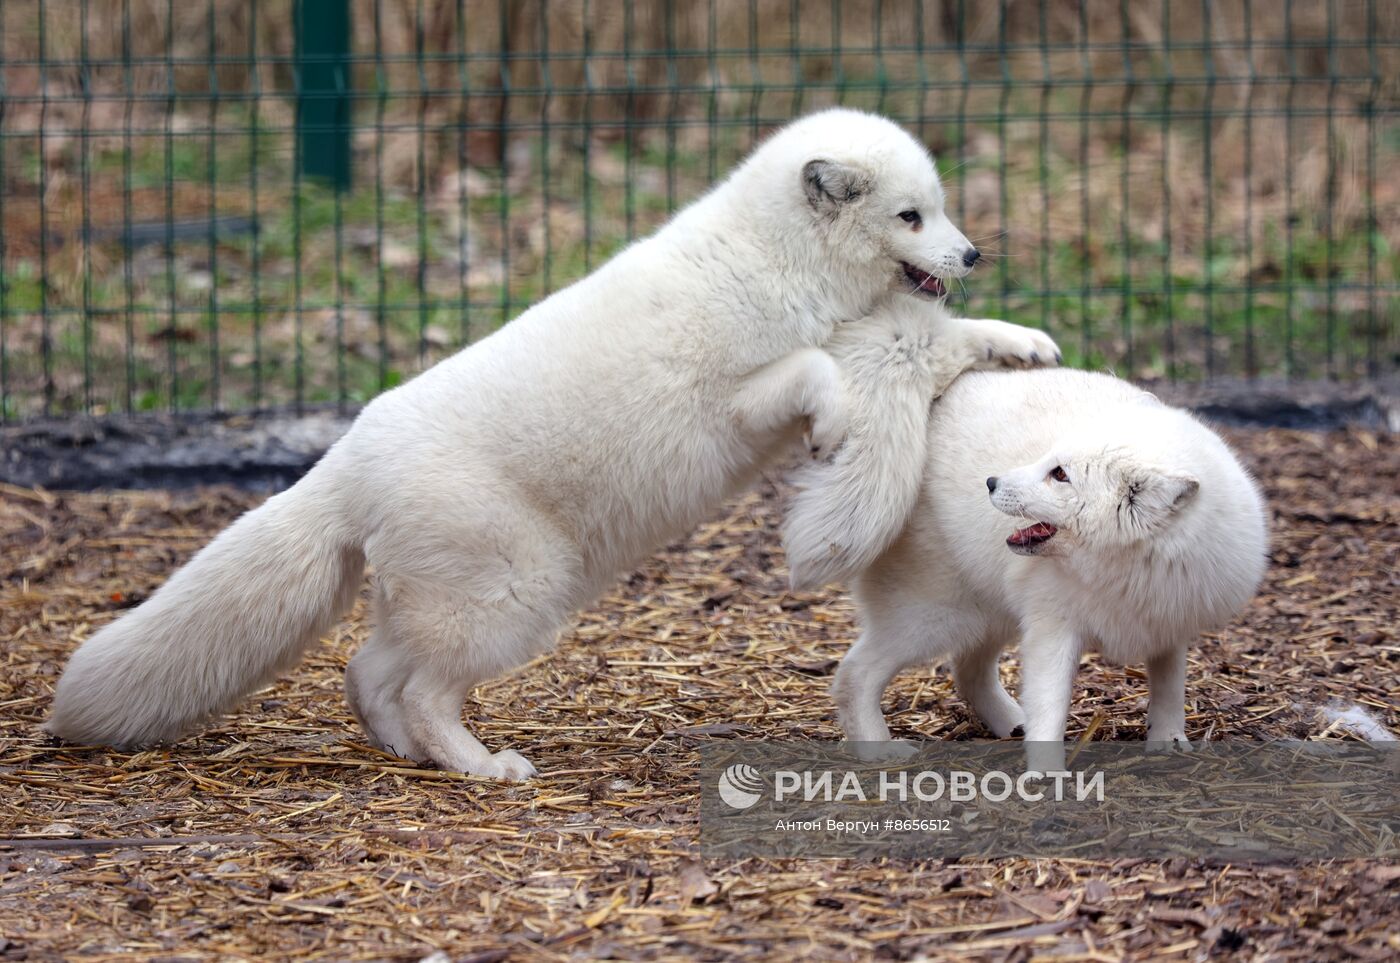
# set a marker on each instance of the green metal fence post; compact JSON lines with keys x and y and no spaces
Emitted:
{"x":323,"y":89}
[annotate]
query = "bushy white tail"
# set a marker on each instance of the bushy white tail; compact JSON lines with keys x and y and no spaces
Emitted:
{"x":847,"y":512}
{"x":240,"y":613}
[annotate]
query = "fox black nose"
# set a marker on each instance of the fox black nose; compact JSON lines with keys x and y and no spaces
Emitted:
{"x":970,"y":256}
{"x":992,"y":483}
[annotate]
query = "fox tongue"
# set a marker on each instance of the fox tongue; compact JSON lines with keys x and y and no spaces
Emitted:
{"x":924,"y":281}
{"x":1038,"y":532}
{"x":931,"y":284}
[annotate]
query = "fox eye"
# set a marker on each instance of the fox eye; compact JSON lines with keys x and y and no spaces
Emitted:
{"x":1059,"y":474}
{"x":911,"y":217}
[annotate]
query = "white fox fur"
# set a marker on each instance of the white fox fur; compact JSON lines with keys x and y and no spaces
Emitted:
{"x":502,"y":489}
{"x":1160,"y":535}
{"x":846,"y":513}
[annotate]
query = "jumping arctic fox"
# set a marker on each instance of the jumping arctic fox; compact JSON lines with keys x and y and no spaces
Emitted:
{"x":502,"y":489}
{"x":1129,"y":528}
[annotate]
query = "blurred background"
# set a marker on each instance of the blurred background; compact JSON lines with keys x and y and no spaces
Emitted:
{"x":235,"y":205}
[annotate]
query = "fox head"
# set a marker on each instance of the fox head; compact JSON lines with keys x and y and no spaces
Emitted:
{"x":1086,"y":491}
{"x":897,"y":211}
{"x":871,"y":194}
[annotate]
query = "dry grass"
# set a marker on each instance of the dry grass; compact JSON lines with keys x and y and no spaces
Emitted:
{"x":277,"y":834}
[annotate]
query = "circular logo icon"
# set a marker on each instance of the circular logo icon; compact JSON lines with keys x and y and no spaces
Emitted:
{"x":740,"y":786}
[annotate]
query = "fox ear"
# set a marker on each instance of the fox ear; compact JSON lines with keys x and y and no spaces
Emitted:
{"x":1152,"y":497}
{"x":828,"y":185}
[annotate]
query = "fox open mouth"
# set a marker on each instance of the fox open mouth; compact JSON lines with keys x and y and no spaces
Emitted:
{"x":1027,"y":541}
{"x":923,"y":282}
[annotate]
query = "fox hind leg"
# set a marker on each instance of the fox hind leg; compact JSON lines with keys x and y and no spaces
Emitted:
{"x":456,"y":615}
{"x":903,"y":630}
{"x":979,"y":683}
{"x":374,"y":682}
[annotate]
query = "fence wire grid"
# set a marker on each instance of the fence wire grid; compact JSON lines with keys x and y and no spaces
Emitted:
{"x":235,"y":205}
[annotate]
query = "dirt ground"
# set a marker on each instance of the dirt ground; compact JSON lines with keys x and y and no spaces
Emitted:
{"x":282,"y":836}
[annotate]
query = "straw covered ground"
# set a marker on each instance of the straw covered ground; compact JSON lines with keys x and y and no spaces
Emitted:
{"x":278,"y":835}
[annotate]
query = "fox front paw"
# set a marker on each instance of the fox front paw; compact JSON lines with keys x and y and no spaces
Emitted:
{"x":1005,"y":345}
{"x":1168,"y":742}
{"x":826,"y":431}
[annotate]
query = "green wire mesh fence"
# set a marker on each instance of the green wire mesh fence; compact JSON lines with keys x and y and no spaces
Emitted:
{"x":232,"y":204}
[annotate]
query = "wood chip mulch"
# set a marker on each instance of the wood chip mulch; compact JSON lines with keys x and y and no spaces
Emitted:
{"x":279,"y":835}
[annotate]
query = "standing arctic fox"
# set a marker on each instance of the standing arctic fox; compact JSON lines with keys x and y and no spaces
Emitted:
{"x":1129,"y":528}
{"x":502,"y":489}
